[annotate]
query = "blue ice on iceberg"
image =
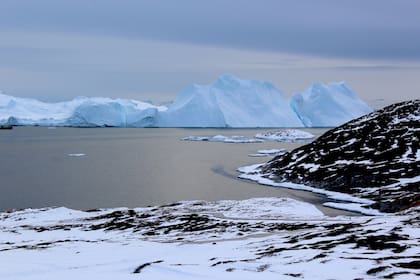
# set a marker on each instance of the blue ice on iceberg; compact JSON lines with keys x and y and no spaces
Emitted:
{"x":228,"y":102}
{"x":328,"y":105}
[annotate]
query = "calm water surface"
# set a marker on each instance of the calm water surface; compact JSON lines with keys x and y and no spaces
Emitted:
{"x":127,"y":167}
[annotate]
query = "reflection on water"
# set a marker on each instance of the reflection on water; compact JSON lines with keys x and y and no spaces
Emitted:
{"x":127,"y":167}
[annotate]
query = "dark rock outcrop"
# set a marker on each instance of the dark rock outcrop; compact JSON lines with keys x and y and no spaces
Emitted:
{"x":376,"y":156}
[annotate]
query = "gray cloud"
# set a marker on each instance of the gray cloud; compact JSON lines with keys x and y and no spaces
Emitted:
{"x":373,"y":29}
{"x":58,"y":49}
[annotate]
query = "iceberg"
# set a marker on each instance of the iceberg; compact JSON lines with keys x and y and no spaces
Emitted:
{"x":79,"y":112}
{"x":230,"y":102}
{"x":328,"y":105}
{"x":114,"y":112}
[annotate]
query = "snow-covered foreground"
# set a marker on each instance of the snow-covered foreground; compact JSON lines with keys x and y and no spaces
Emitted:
{"x":261,"y":238}
{"x":228,"y":102}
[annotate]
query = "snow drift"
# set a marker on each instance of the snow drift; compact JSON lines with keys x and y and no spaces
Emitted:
{"x":228,"y":102}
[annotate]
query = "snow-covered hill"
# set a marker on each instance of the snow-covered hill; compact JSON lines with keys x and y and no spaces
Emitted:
{"x":228,"y":102}
{"x":375,"y":157}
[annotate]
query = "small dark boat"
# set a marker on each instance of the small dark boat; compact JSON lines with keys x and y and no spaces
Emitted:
{"x":6,"y":126}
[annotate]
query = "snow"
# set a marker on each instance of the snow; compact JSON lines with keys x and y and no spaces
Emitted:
{"x":252,"y":173}
{"x":409,"y":156}
{"x":285,"y":135}
{"x":260,"y":238}
{"x":222,"y":138}
{"x":310,"y":166}
{"x":354,"y":207}
{"x":328,"y":105}
{"x":228,"y":102}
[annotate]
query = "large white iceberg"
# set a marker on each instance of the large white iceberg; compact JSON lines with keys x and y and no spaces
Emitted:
{"x":230,"y":102}
{"x":81,"y":111}
{"x":328,"y":105}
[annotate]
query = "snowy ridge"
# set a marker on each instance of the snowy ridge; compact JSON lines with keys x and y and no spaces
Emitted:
{"x":228,"y":102}
{"x":262,"y":238}
{"x":375,"y":157}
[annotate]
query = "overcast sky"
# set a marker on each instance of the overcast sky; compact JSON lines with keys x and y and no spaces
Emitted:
{"x":55,"y":50}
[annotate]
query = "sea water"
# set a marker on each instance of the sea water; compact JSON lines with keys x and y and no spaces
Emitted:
{"x":84,"y":168}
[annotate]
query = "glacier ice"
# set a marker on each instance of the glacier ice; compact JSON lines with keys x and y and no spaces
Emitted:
{"x":80,"y":112}
{"x":328,"y":105}
{"x":228,"y":102}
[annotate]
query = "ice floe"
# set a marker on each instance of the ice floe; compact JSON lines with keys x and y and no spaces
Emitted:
{"x":222,"y":138}
{"x":270,"y":152}
{"x":285,"y":135}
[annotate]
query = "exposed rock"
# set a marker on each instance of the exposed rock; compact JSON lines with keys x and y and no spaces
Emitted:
{"x":376,"y":156}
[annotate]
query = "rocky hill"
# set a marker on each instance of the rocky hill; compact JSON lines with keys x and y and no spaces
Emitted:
{"x":376,"y":156}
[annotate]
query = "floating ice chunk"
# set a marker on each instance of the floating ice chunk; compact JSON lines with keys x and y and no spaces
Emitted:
{"x":272,"y":151}
{"x":285,"y":135}
{"x":257,"y":155}
{"x":222,"y":138}
{"x":77,"y":155}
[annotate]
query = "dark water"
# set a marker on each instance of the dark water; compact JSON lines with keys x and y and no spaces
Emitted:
{"x":127,"y":167}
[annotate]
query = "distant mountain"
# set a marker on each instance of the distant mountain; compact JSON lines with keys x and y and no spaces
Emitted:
{"x":228,"y":102}
{"x":376,"y":157}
